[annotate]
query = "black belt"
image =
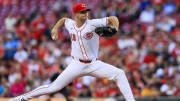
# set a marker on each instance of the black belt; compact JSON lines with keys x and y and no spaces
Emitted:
{"x":84,"y":61}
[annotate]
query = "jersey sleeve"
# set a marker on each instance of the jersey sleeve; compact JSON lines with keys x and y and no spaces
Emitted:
{"x":67,"y":23}
{"x":100,"y":22}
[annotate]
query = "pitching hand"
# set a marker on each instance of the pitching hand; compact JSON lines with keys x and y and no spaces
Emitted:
{"x":54,"y":35}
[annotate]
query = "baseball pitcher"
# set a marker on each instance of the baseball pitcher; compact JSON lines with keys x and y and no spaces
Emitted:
{"x":84,"y":35}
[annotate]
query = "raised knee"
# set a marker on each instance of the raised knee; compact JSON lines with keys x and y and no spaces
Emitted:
{"x":121,"y":71}
{"x":119,"y":74}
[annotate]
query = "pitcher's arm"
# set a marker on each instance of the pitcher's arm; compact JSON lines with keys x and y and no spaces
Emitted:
{"x":59,"y":24}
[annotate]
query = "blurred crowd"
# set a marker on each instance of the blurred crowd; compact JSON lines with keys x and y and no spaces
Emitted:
{"x":146,"y":47}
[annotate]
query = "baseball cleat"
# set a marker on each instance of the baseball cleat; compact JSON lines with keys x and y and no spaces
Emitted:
{"x":18,"y":98}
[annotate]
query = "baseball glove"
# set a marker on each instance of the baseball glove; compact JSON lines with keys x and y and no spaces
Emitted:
{"x":106,"y":31}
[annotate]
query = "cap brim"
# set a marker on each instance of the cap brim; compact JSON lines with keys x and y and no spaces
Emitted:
{"x":88,"y":9}
{"x":85,"y":10}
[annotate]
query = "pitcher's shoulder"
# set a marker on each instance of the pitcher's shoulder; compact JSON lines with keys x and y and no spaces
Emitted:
{"x":69,"y":20}
{"x":98,"y":22}
{"x":92,"y":21}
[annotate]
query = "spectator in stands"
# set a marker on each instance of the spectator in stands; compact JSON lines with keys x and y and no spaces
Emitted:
{"x":17,"y":87}
{"x":169,"y":7}
{"x":21,"y":55}
{"x":168,"y":89}
{"x":2,"y":88}
{"x":10,"y":22}
{"x":10,"y":46}
{"x":147,"y":15}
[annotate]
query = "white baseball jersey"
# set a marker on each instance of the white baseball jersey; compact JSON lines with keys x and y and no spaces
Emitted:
{"x":85,"y":42}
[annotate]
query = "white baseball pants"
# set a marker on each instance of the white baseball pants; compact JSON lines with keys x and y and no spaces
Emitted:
{"x":76,"y":69}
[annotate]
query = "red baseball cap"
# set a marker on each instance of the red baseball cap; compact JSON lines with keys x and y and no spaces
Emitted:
{"x":80,"y":7}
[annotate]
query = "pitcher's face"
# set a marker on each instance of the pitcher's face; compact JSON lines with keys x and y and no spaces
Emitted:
{"x":82,"y":15}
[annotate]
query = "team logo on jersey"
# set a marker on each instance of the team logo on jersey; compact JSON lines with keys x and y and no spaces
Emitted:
{"x":88,"y":35}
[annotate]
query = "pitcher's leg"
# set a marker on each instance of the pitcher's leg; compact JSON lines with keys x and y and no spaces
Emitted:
{"x":104,"y":70}
{"x":70,"y":73}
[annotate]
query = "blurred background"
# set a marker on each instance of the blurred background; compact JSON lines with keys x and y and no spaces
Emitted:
{"x":147,"y":47}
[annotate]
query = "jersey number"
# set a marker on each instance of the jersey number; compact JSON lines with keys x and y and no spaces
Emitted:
{"x":73,"y":37}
